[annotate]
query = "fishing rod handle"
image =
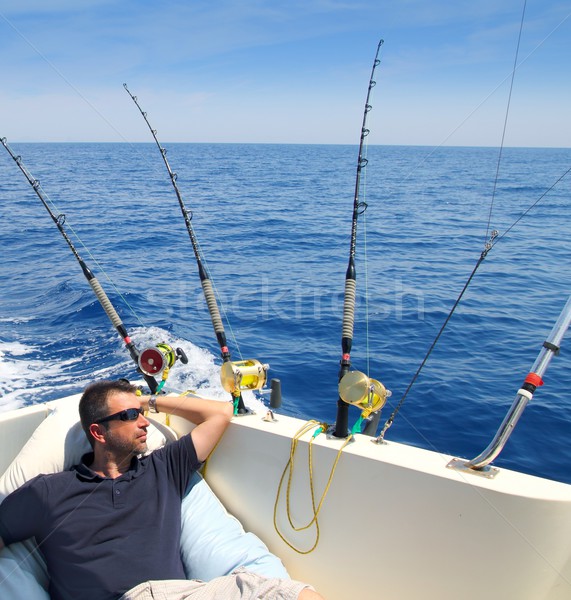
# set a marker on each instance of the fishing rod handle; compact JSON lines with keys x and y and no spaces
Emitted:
{"x":349,"y":308}
{"x":105,"y":303}
{"x":212,"y":306}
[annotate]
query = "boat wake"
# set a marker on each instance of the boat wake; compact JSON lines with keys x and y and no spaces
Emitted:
{"x":25,"y":378}
{"x":30,"y":374}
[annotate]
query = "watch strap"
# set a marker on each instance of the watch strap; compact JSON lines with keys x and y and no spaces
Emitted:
{"x":153,"y":404}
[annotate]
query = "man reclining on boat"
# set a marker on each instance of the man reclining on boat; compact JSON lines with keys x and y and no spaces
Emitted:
{"x":110,"y":527}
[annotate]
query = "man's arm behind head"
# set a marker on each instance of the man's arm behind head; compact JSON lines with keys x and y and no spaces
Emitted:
{"x":210,"y":416}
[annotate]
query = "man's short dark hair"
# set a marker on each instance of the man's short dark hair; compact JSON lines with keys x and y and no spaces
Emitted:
{"x":93,"y":402}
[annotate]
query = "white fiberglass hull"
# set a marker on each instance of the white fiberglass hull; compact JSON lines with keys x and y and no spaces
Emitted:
{"x":396,"y":522}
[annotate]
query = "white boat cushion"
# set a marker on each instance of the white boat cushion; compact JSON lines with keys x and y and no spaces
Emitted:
{"x":213,"y":542}
{"x":23,"y":573}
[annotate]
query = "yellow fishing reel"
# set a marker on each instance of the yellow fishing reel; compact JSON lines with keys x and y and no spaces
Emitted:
{"x":243,"y":375}
{"x":156,"y":359}
{"x":363,"y":392}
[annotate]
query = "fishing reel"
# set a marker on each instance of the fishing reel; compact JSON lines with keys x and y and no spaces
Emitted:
{"x":243,"y":375}
{"x":367,"y":394}
{"x":160,"y":358}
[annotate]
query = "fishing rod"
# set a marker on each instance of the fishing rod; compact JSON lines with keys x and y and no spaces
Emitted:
{"x":354,"y":387}
{"x":235,"y":375}
{"x":150,"y":361}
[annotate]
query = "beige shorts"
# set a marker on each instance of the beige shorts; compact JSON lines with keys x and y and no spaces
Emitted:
{"x":239,"y":585}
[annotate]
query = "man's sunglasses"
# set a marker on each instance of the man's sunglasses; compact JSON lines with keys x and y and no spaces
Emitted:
{"x":129,"y":414}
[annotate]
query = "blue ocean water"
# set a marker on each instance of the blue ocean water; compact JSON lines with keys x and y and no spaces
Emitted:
{"x":274,"y":222}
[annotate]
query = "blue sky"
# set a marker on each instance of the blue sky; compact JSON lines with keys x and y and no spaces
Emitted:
{"x":285,"y":71}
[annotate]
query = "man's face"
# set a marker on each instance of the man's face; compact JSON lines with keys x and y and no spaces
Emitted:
{"x":125,"y":438}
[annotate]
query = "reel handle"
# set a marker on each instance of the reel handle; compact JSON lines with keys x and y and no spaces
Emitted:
{"x":181,"y":355}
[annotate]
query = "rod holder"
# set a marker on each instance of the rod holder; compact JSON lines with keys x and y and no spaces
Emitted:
{"x":550,"y":348}
{"x":275,"y":393}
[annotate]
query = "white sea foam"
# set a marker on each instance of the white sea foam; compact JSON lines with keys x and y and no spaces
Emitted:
{"x":16,"y":374}
{"x":14,"y":348}
{"x":25,"y":380}
{"x":15,"y":319}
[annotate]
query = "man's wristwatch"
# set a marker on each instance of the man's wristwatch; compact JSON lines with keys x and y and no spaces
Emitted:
{"x":153,"y":404}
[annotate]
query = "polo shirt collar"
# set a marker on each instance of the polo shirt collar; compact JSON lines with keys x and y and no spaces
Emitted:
{"x":85,"y":473}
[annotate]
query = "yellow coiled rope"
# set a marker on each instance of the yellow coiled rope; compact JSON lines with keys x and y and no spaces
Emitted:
{"x":321,"y":427}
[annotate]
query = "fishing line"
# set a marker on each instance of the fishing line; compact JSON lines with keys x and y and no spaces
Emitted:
{"x":367,"y":340}
{"x":472,"y":112}
{"x":532,"y":206}
{"x":60,"y":74}
{"x":505,"y":123}
{"x":366,"y":262}
{"x":488,"y":245}
{"x":97,"y":263}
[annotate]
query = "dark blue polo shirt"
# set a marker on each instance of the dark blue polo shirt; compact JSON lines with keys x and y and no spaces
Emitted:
{"x":102,"y":536}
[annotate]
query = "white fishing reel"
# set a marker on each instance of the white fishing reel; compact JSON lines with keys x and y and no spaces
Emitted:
{"x":361,"y":391}
{"x":155,"y":359}
{"x":243,"y":375}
